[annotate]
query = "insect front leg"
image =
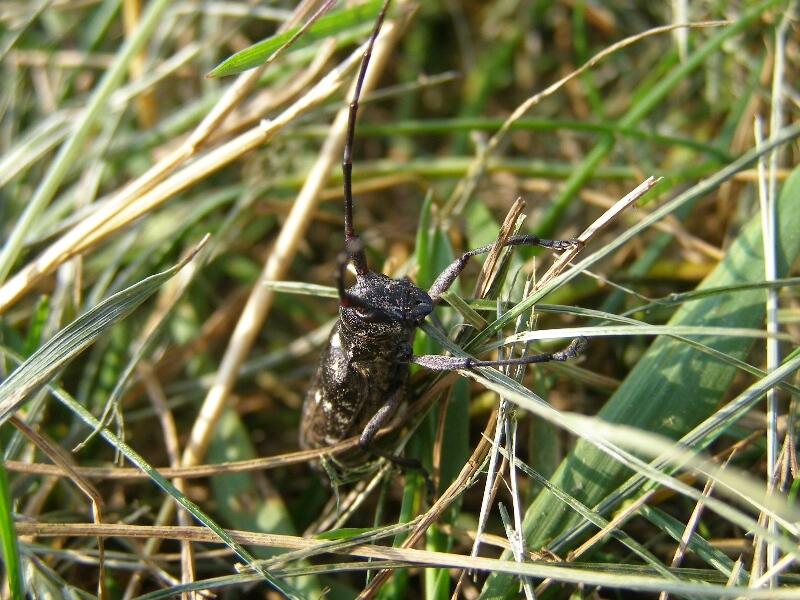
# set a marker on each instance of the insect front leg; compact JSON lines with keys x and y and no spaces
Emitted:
{"x":448,"y":276}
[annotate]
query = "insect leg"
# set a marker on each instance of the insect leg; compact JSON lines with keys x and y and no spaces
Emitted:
{"x":448,"y":276}
{"x":379,"y":420}
{"x":436,"y":362}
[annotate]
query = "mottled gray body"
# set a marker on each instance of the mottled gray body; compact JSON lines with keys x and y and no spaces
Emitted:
{"x":364,"y":366}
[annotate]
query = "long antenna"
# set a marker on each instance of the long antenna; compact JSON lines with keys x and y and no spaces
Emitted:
{"x":354,"y":248}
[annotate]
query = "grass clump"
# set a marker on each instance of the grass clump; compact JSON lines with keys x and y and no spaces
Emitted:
{"x":663,"y":461}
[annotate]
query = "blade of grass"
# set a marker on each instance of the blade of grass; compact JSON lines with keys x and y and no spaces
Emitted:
{"x":673,"y":387}
{"x":176,"y":494}
{"x":249,"y":508}
{"x":326,"y":26}
{"x":83,"y":127}
{"x":697,"y":544}
{"x":595,"y":518}
{"x":656,"y":94}
{"x":705,"y":186}
{"x":623,"y":576}
{"x":74,"y":338}
{"x":620,"y":441}
{"x":11,"y":555}
{"x":427,"y":126}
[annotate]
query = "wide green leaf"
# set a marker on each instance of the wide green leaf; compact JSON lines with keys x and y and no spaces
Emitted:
{"x":674,"y":387}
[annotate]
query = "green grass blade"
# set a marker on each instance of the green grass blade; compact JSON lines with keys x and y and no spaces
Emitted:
{"x":8,"y":535}
{"x":595,"y":518}
{"x":656,"y":94}
{"x":245,"y":508}
{"x":704,"y":187}
{"x":326,"y":26}
{"x":673,"y":387}
{"x":43,"y":365}
{"x":706,"y":551}
{"x":66,"y":156}
{"x":165,"y":484}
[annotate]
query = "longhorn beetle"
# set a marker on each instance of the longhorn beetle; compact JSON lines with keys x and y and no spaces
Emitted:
{"x":364,"y":367}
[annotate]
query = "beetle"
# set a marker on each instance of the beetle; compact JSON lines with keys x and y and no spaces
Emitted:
{"x":364,"y":367}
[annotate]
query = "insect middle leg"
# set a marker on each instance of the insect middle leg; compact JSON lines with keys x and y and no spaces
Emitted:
{"x":380,"y":419}
{"x":437,"y":362}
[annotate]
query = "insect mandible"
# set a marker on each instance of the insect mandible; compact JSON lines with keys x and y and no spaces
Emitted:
{"x":363,"y":370}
